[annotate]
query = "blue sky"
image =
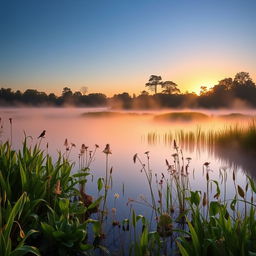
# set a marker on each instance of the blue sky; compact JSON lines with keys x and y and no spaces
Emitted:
{"x":114,"y":46}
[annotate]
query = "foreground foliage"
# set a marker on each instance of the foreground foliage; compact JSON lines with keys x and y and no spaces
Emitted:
{"x":40,"y":204}
{"x":45,"y":210}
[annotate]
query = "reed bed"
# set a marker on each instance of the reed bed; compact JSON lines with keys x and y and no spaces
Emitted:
{"x":233,"y":136}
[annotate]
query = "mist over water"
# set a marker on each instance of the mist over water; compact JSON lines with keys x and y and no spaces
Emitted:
{"x":127,"y":132}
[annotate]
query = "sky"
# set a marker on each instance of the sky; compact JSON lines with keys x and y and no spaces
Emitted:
{"x":114,"y":46}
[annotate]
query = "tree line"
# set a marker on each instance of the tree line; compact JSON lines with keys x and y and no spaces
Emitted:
{"x":229,"y":92}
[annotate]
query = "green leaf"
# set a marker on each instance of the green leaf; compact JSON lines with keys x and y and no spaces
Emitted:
{"x":233,"y":203}
{"x":47,"y":229}
{"x":100,"y":184}
{"x":86,"y":247}
{"x":134,"y":219}
{"x":24,"y":250}
{"x":214,"y":208}
{"x":194,"y":237}
{"x":182,"y":250}
{"x":64,"y":204}
{"x":144,"y":238}
{"x":252,"y":184}
{"x":195,"y":197}
{"x":95,"y":203}
{"x":17,"y":208}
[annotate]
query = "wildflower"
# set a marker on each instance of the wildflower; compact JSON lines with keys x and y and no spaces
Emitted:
{"x":58,"y":189}
{"x":73,"y":145}
{"x":116,"y":195}
{"x":97,"y":146}
{"x":107,"y":150}
{"x":188,"y":159}
{"x":174,"y":155}
{"x":10,"y":119}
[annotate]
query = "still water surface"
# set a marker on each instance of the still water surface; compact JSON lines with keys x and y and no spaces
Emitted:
{"x":127,"y":135}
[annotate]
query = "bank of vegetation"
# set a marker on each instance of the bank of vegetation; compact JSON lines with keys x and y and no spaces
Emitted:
{"x":236,"y":92}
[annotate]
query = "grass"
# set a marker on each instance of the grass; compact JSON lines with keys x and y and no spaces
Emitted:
{"x":235,"y":137}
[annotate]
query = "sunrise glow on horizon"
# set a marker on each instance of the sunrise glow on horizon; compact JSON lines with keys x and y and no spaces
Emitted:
{"x":114,"y":46}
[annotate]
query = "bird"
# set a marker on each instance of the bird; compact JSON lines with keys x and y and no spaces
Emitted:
{"x":42,"y":134}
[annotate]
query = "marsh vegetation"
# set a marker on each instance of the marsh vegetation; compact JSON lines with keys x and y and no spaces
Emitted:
{"x":145,"y":203}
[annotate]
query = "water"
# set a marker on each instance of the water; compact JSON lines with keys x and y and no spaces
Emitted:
{"x":127,"y":135}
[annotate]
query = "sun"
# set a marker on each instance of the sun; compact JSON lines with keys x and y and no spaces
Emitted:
{"x":196,"y":85}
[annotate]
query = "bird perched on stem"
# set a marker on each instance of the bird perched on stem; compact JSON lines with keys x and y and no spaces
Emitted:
{"x":42,"y":134}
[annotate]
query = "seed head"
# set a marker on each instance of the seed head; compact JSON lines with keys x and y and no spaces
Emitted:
{"x":107,"y":150}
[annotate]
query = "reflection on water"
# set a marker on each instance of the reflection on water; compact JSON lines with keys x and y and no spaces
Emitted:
{"x":128,"y":134}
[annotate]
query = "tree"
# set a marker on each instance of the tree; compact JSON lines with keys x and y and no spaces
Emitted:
{"x":242,"y":78}
{"x":203,"y":90}
{"x":66,"y":92}
{"x":84,"y":90}
{"x":144,"y":93}
{"x":153,"y":82}
{"x":170,"y":87}
{"x":227,"y":83}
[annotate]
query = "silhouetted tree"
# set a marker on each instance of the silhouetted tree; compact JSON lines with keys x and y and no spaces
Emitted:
{"x":242,"y":78}
{"x":170,"y":87}
{"x":203,"y":90}
{"x":66,"y":92}
{"x":153,"y":82}
{"x":227,"y":83}
{"x":144,"y":93}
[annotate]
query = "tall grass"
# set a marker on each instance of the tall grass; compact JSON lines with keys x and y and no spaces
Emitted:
{"x":235,"y":136}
